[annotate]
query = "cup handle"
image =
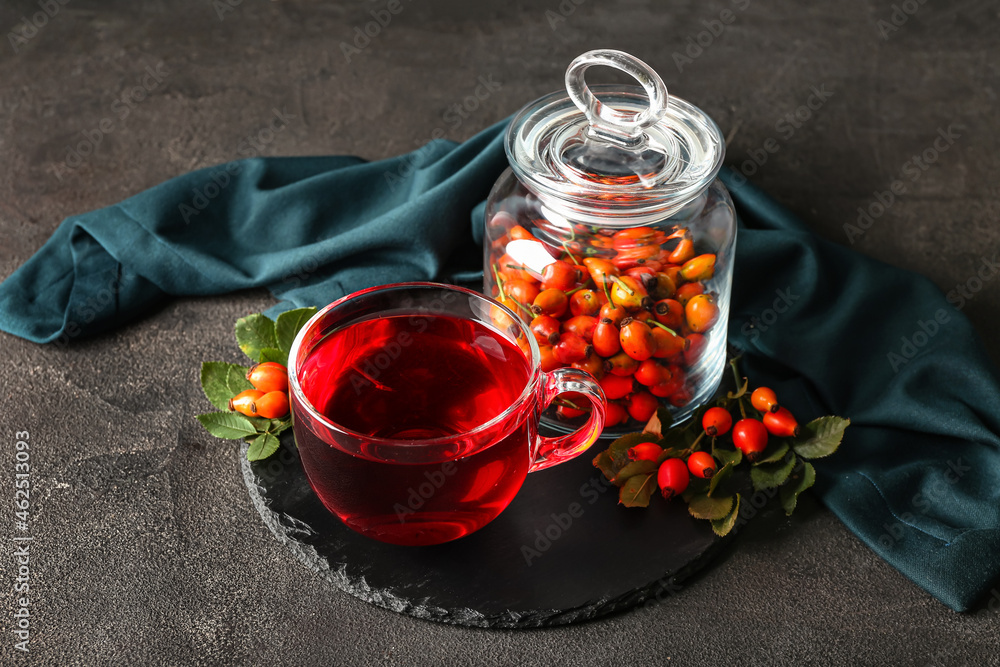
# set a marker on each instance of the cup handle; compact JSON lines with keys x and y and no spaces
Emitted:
{"x":552,"y":451}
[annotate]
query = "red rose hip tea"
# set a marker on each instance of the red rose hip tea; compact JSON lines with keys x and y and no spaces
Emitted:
{"x":418,"y":377}
{"x":416,"y":410}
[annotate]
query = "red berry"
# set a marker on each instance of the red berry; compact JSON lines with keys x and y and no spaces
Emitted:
{"x":696,"y":345}
{"x":546,"y":329}
{"x":269,"y":376}
{"x":585,"y":302}
{"x":645,"y":451}
{"x":582,"y":325}
{"x":763,"y":399}
{"x":614,"y":313}
{"x":616,"y":386}
{"x":716,"y":421}
{"x":642,"y":406}
{"x":683,"y":252}
{"x":552,"y":302}
{"x":781,"y":423}
{"x":750,"y":437}
{"x":668,"y":344}
{"x":559,"y":275}
{"x":607,"y":342}
{"x":673,"y":478}
{"x":566,"y":412}
{"x":687,"y":291}
{"x":615,"y":414}
{"x":571,"y":347}
{"x":701,"y":464}
{"x":621,"y":364}
{"x":637,"y":339}
{"x":548,"y":358}
{"x":592,"y":364}
{"x":272,"y":405}
{"x":650,"y":373}
{"x":522,"y":291}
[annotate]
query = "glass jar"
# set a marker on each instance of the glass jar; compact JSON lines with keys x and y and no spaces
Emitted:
{"x":611,"y":237}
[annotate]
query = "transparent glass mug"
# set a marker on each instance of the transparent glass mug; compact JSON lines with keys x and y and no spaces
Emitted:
{"x":416,"y":408}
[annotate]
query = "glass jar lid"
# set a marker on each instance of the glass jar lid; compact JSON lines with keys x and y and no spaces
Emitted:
{"x":618,"y":155}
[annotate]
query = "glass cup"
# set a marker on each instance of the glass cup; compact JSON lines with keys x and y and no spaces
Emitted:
{"x":416,"y":408}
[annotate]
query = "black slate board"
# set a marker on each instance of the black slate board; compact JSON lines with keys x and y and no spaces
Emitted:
{"x":608,"y":559}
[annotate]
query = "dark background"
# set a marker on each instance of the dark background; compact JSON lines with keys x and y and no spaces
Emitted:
{"x":147,"y":550}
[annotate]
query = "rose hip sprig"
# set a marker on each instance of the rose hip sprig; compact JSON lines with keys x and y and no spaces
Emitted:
{"x":253,"y":402}
{"x":710,"y":462}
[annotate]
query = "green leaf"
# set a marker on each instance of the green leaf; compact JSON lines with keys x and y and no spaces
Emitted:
{"x":227,"y":425}
{"x":797,"y":483}
{"x":723,"y":526}
{"x":273,"y":354}
{"x":287,"y":326}
{"x":705,"y":507}
{"x":604,"y":463}
{"x":632,"y":469}
{"x":770,"y":475}
{"x":776,"y":450}
{"x":728,"y":456}
{"x":820,"y":437}
{"x":670,"y":453}
{"x":618,"y":450}
{"x":262,"y":446}
{"x":221,"y":381}
{"x":720,"y":477}
{"x":253,"y":333}
{"x":637,"y":491}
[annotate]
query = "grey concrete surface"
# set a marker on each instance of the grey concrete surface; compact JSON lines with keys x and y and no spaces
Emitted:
{"x":147,"y":550}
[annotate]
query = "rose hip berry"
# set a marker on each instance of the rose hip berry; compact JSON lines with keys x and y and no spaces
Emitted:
{"x":581,"y":325}
{"x":621,"y":364}
{"x":571,"y":347}
{"x":584,"y":302}
{"x":764,"y":400}
{"x":750,"y":437}
{"x":645,"y":451}
{"x":781,"y":423}
{"x":550,"y":301}
{"x":701,"y":267}
{"x":606,"y":338}
{"x":701,"y":312}
{"x":272,"y":405}
{"x":701,"y":464}
{"x":682,"y":253}
{"x":559,"y":275}
{"x":546,"y":329}
{"x":673,"y":478}
{"x":637,"y":339}
{"x":616,"y":386}
{"x":615,"y":414}
{"x":269,"y":376}
{"x":716,"y":421}
{"x":669,"y":313}
{"x":244,"y":402}
{"x":642,"y":406}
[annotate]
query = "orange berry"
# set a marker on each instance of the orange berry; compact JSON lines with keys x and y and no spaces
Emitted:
{"x":764,"y":399}
{"x":244,"y":402}
{"x":701,"y":313}
{"x":268,"y":376}
{"x":701,"y":267}
{"x":272,"y":405}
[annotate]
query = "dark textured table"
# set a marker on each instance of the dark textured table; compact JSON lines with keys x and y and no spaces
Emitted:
{"x":147,"y":549}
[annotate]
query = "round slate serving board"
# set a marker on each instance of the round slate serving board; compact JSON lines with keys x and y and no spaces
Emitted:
{"x":563,"y":551}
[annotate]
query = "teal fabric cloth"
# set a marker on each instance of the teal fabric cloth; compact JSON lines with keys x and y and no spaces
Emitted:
{"x":918,"y":475}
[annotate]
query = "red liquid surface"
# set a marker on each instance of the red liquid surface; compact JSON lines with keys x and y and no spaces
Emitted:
{"x":415,"y":377}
